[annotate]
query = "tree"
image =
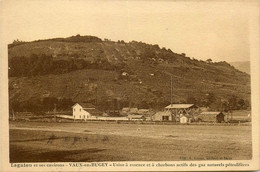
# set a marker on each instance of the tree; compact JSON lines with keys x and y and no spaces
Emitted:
{"x":219,"y":105}
{"x":143,"y":104}
{"x":191,"y":99}
{"x":148,"y":54}
{"x":17,"y":41}
{"x":49,"y":103}
{"x":210,"y":99}
{"x":232,"y":101}
{"x":209,"y":60}
{"x":65,"y":103}
{"x":241,"y":104}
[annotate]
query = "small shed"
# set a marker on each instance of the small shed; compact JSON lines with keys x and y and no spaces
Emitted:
{"x":211,"y":117}
{"x":184,"y":119}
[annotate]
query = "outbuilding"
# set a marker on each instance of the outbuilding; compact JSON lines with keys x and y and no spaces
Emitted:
{"x":133,"y":110}
{"x":182,"y":109}
{"x":127,"y":110}
{"x":183,"y":119}
{"x":211,"y":117}
{"x":162,"y":116}
{"x":143,"y":111}
{"x":136,"y":117}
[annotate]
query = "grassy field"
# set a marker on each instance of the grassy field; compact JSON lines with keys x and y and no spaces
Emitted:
{"x":79,"y":142}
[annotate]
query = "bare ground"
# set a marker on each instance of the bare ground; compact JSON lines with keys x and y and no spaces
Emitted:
{"x":77,"y":142}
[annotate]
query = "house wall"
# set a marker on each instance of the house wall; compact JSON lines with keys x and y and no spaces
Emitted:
{"x":159,"y":116}
{"x":133,"y":110}
{"x":208,"y":118}
{"x":80,"y":113}
{"x":183,"y":120}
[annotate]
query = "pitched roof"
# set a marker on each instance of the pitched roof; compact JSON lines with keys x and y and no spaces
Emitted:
{"x":133,"y":108}
{"x":179,"y":106}
{"x":210,"y":113}
{"x":94,"y":112}
{"x":143,"y":110}
{"x":86,"y":105}
{"x":162,"y":113}
{"x":135,"y":116}
{"x":126,"y":109}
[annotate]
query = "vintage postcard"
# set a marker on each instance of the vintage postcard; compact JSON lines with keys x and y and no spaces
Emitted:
{"x":129,"y":85}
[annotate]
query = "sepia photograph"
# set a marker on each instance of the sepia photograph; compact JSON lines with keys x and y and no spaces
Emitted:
{"x":130,"y":81}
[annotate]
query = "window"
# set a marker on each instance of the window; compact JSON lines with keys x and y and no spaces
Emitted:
{"x":165,"y":118}
{"x":74,"y":109}
{"x":79,"y":109}
{"x":84,"y":116}
{"x":79,"y":116}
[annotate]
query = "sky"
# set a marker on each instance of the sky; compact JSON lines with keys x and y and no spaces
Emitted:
{"x":201,"y":29}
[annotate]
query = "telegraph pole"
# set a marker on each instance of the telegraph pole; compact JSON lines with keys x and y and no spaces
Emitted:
{"x":13,"y":115}
{"x":171,"y":90}
{"x":96,"y":96}
{"x":54,"y":112}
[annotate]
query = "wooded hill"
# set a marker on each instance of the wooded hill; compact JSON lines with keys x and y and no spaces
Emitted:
{"x":86,"y":68}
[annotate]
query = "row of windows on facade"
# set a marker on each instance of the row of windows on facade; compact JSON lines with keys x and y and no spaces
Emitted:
{"x":75,"y":110}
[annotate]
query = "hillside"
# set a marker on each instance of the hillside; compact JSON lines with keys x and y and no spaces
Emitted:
{"x":135,"y":74}
{"x":242,"y":66}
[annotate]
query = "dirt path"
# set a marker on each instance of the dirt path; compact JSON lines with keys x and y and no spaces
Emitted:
{"x":46,"y":129}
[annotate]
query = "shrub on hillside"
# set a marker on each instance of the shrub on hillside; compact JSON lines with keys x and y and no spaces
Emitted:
{"x":45,"y":64}
{"x":41,"y":105}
